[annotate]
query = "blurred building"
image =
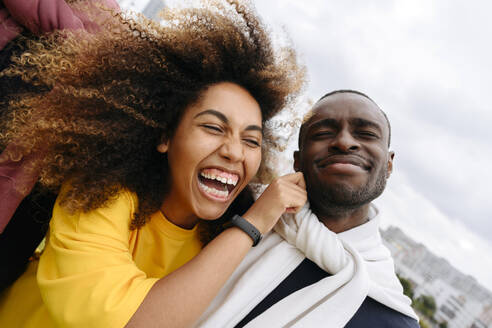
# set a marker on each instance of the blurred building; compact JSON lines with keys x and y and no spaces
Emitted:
{"x":452,"y":306}
{"x":150,"y":8}
{"x":485,"y":320}
{"x":460,"y":300}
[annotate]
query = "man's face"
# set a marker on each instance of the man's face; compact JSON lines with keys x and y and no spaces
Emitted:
{"x":344,"y":152}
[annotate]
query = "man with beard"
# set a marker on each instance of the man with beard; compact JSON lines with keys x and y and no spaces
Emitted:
{"x":331,"y":268}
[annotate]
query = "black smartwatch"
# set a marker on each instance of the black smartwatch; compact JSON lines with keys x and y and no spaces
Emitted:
{"x":248,"y":228}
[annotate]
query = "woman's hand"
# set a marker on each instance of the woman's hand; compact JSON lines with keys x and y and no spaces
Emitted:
{"x":286,"y":194}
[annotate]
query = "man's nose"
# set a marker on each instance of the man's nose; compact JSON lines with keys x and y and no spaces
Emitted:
{"x":345,"y":142}
{"x":232,"y":150}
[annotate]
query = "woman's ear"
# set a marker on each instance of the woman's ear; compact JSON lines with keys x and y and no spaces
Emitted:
{"x":163,"y":146}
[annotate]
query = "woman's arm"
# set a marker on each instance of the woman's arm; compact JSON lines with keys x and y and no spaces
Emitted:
{"x":179,"y":299}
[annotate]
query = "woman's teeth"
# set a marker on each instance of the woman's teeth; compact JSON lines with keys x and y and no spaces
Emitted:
{"x":223,"y":177}
{"x":217,"y":183}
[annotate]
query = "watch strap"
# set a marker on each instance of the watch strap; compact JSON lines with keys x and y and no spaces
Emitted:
{"x":248,"y":228}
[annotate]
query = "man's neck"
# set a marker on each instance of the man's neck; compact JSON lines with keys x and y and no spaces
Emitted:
{"x":341,"y":221}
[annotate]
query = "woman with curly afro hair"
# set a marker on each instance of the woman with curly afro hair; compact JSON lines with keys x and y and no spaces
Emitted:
{"x":151,"y":133}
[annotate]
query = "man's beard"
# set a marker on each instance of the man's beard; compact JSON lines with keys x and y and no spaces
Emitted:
{"x":335,"y":199}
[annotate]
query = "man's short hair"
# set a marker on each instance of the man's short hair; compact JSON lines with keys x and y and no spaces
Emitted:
{"x":309,"y":114}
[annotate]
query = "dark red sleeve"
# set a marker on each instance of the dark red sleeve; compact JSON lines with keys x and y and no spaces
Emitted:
{"x":43,"y":15}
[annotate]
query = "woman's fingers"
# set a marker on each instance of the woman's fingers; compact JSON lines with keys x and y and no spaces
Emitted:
{"x":296,"y":178}
{"x":296,"y":189}
{"x":286,"y":194}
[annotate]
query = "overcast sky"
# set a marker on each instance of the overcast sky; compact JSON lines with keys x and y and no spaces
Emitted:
{"x":427,"y":63}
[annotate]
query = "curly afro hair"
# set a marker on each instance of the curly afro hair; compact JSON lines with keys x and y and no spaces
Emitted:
{"x":103,"y":101}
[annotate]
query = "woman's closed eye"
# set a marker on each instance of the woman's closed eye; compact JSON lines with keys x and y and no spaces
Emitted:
{"x":213,"y":128}
{"x":253,"y":143}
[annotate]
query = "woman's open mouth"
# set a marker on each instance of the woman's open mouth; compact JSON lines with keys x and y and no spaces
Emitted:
{"x":217,"y":184}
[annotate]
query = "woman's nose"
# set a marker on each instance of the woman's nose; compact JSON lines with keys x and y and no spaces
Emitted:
{"x":232,"y":150}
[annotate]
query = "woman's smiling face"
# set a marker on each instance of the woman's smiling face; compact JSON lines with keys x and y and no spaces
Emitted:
{"x":213,"y":154}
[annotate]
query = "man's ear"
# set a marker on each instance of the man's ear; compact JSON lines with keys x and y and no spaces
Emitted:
{"x":297,"y":165}
{"x":163,"y":146}
{"x":389,"y":169}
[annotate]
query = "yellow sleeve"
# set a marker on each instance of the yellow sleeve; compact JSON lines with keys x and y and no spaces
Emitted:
{"x":86,"y":275}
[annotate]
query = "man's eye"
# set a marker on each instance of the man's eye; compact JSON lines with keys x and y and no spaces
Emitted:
{"x":367,"y":134}
{"x":322,"y":134}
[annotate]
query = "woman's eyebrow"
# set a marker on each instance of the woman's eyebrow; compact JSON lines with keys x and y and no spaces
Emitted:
{"x":214,"y":112}
{"x":223,"y":118}
{"x":254,"y":127}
